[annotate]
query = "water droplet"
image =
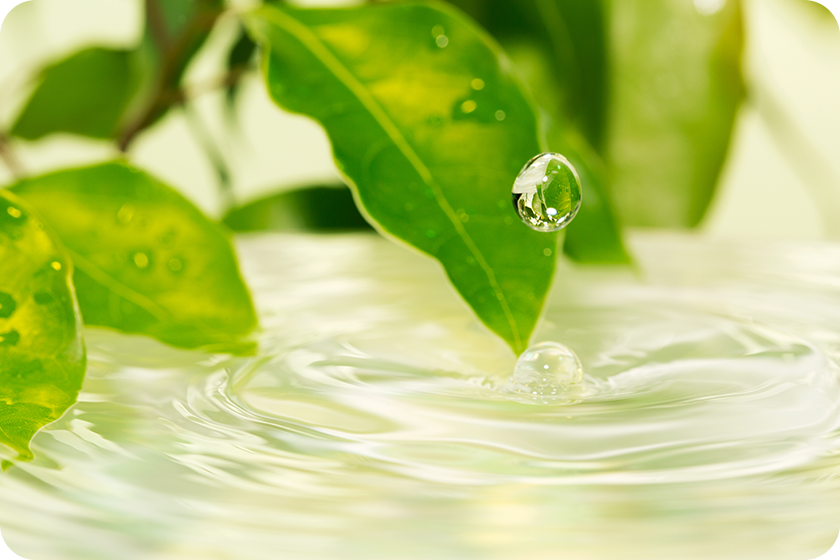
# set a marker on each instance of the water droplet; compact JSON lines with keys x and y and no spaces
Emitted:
{"x":430,"y":234}
{"x":468,"y":106}
{"x":546,"y":372}
{"x":500,"y":115}
{"x":477,"y":84}
{"x":126,"y":213}
{"x":141,"y":260}
{"x":167,"y":238}
{"x":175,"y":265}
{"x":547,"y":252}
{"x":14,"y":212}
{"x":55,"y":265}
{"x":546,"y":194}
{"x":10,"y":338}
{"x":441,"y":41}
{"x":7,"y":305}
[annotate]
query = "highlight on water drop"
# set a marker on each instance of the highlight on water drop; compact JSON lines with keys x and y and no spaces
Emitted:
{"x":546,"y":193}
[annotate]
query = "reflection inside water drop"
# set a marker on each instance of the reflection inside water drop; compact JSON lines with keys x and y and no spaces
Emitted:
{"x":546,"y":373}
{"x":546,"y":193}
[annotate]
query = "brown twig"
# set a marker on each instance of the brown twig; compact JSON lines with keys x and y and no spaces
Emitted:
{"x":167,"y":91}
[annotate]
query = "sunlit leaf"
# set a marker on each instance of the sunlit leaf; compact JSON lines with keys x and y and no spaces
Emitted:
{"x":147,"y":261}
{"x":42,"y":357}
{"x":86,"y":93}
{"x":431,"y":128}
{"x":317,"y":208}
{"x":677,"y":86}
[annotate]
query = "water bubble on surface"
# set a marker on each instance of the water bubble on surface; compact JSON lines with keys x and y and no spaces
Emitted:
{"x":546,"y":193}
{"x":7,"y":305}
{"x":545,"y":373}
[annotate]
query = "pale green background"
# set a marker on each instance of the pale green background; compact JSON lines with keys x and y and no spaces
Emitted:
{"x":769,"y":189}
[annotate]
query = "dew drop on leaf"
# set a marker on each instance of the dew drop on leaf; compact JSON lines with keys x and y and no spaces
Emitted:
{"x":546,"y":193}
{"x":14,"y":212}
{"x":141,"y":260}
{"x":7,"y":305}
{"x":175,"y":265}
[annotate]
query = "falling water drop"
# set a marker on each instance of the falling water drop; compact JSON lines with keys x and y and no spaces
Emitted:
{"x":545,"y":373}
{"x":546,"y":193}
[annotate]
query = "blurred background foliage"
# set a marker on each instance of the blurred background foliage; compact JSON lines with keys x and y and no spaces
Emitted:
{"x":717,"y":113}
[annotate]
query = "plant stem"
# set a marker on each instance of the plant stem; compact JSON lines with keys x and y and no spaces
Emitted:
{"x":175,"y":53}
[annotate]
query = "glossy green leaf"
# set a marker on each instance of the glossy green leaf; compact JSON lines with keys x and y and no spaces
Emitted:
{"x":86,"y":93}
{"x":317,"y":208}
{"x":430,"y":126}
{"x":42,"y":356}
{"x":676,"y":89}
{"x":572,"y":37}
{"x":147,"y":261}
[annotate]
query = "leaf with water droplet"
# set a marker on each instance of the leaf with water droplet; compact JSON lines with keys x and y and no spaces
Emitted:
{"x":158,"y":267}
{"x":87,"y":93}
{"x":42,"y":356}
{"x":416,"y":130}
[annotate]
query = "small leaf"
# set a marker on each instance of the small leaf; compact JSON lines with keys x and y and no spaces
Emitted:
{"x":430,"y":126}
{"x":676,"y":89}
{"x":86,"y":93}
{"x":319,"y":208}
{"x":147,"y":261}
{"x":42,"y":356}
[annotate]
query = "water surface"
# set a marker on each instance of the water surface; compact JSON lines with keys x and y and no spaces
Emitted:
{"x":374,"y":424}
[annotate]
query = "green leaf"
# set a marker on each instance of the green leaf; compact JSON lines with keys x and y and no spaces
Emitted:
{"x":42,"y":356}
{"x":319,"y":208}
{"x":676,"y":89}
{"x":431,"y":128}
{"x":147,"y":261}
{"x":86,"y":93}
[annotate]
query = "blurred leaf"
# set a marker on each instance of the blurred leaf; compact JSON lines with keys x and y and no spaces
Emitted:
{"x":594,"y":236}
{"x":86,"y":93}
{"x":429,"y":124}
{"x":676,"y":89}
{"x":319,"y":208}
{"x":147,"y":261}
{"x":571,"y":35}
{"x":42,"y":356}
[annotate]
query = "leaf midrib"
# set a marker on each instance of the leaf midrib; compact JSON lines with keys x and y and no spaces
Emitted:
{"x":318,"y":49}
